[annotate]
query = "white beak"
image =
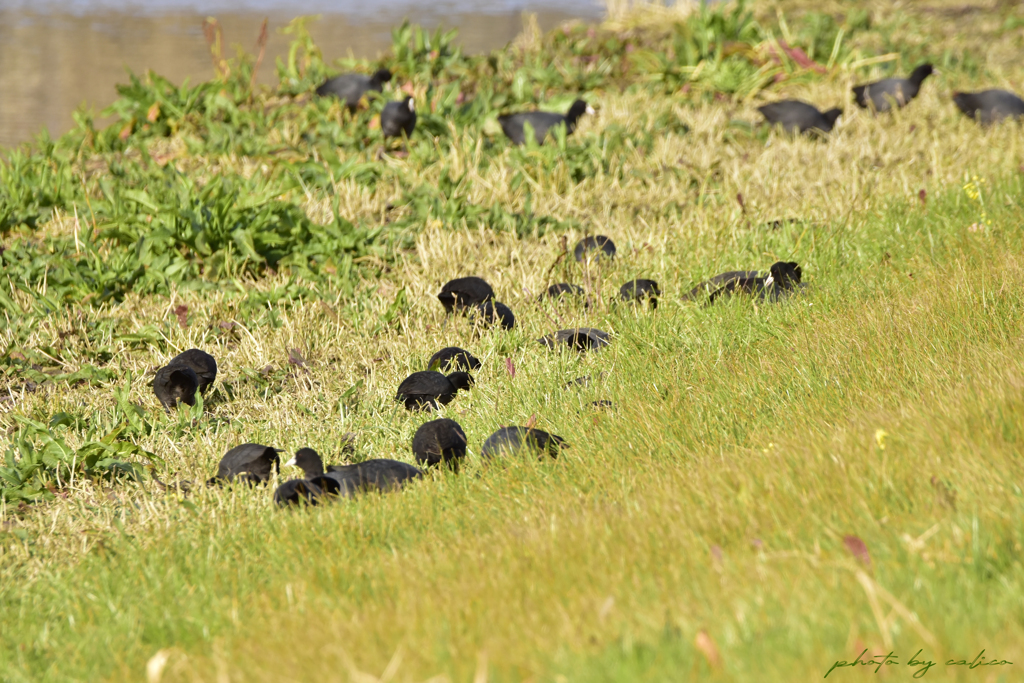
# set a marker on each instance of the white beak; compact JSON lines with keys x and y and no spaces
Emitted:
{"x":769,"y":280}
{"x":412,"y":105}
{"x":290,"y":463}
{"x":590,"y":110}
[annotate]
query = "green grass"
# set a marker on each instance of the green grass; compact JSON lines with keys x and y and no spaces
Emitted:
{"x":695,"y":531}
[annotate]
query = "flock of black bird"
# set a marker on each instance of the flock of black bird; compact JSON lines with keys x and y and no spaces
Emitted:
{"x":442,"y":442}
{"x":796,"y":116}
{"x":986,"y":107}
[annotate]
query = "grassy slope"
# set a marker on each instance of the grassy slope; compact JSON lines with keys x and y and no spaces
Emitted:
{"x":731,"y":424}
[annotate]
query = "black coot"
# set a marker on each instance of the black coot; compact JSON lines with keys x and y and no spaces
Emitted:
{"x":495,"y":312}
{"x":251,"y":463}
{"x":510,"y":440}
{"x":464,"y":292}
{"x":348,"y":480}
{"x":882,"y":94}
{"x":424,"y":390}
{"x":636,"y":291}
{"x":202,"y":363}
{"x":989,"y":106}
{"x":579,"y":339}
{"x":439,"y":441}
{"x":297,"y":491}
{"x":175,"y":383}
{"x":596,"y":243}
{"x":796,"y":116}
{"x":349,"y":88}
{"x":542,"y":122}
{"x":561,"y":289}
{"x":783,"y":277}
{"x":712,"y":284}
{"x":398,"y":118}
{"x":453,"y":358}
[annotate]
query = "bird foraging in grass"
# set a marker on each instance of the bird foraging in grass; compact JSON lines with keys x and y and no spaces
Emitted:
{"x":594,"y":245}
{"x":453,"y":358}
{"x":464,"y":293}
{"x":398,"y":118}
{"x":796,"y":116}
{"x":439,"y":441}
{"x":426,"y":389}
{"x":345,"y":481}
{"x":513,"y":440}
{"x":989,"y":106}
{"x":174,"y":383}
{"x":350,"y":88}
{"x":542,"y":122}
{"x":884,"y":94}
{"x":783,"y":279}
{"x":250,"y":463}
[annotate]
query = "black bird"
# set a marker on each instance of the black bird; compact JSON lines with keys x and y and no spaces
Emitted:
{"x":453,"y":358}
{"x":297,"y":491}
{"x":561,"y":289}
{"x":797,"y":116}
{"x":636,"y":291}
{"x":599,"y":243}
{"x":542,"y":122}
{"x":513,"y":439}
{"x":712,"y":284}
{"x":580,"y":339}
{"x":783,"y":277}
{"x":398,"y":118}
{"x":202,"y":363}
{"x":380,"y":475}
{"x":989,"y":106}
{"x":250,"y":462}
{"x":350,"y":88}
{"x":425,"y":389}
{"x":492,"y":312}
{"x":439,"y":441}
{"x":175,"y":383}
{"x":882,"y":94}
{"x":464,"y":292}
{"x":347,"y":480}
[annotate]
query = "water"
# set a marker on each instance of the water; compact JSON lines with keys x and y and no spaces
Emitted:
{"x":56,"y":55}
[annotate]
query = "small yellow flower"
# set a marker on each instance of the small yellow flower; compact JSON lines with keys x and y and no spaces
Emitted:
{"x":880,"y":436}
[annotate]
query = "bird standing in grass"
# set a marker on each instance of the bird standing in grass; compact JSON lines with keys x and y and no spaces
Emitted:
{"x":464,"y":293}
{"x":495,"y":312}
{"x":796,"y":116}
{"x":426,"y":389}
{"x":350,"y":88}
{"x":439,"y":441}
{"x":345,"y":481}
{"x":252,"y":463}
{"x":882,"y":95}
{"x":453,"y":358}
{"x":636,"y":291}
{"x":398,"y":118}
{"x":202,"y":363}
{"x":512,"y":440}
{"x":782,"y":279}
{"x":598,"y":245}
{"x":297,"y":491}
{"x":175,"y":383}
{"x":989,"y":106}
{"x":542,"y":122}
{"x":578,"y":339}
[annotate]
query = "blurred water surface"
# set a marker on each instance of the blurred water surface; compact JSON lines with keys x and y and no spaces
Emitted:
{"x":58,"y":54}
